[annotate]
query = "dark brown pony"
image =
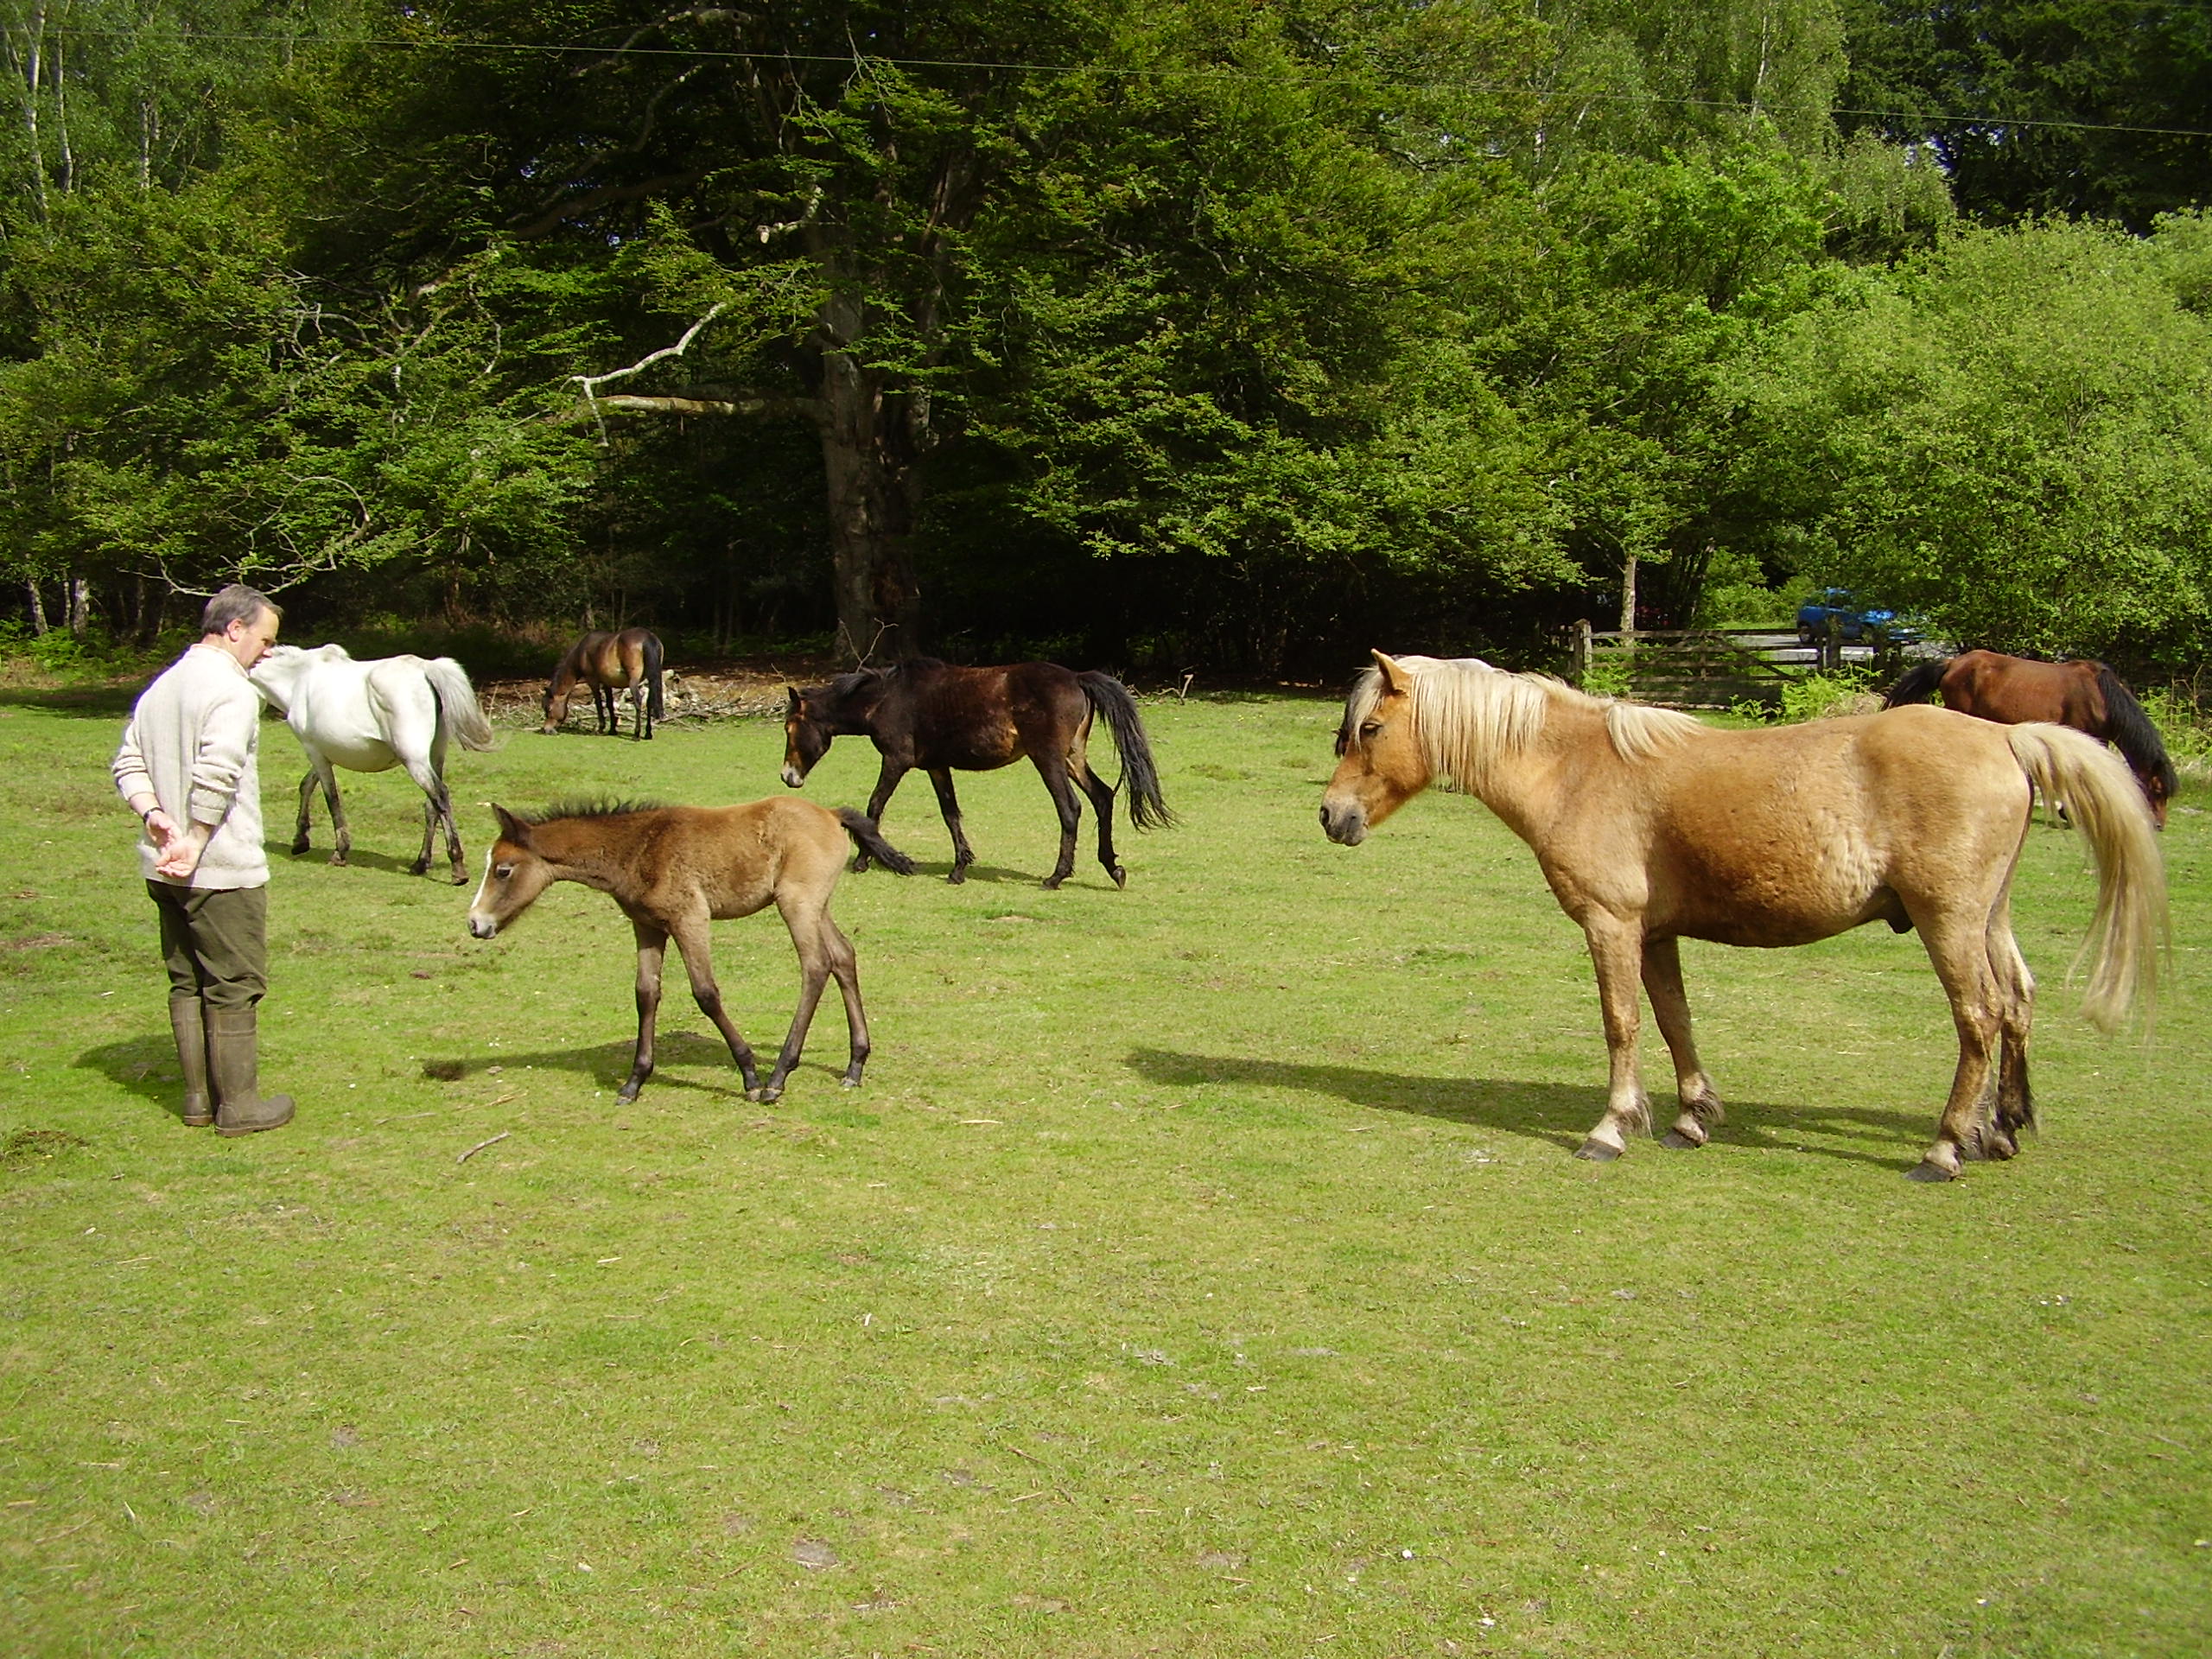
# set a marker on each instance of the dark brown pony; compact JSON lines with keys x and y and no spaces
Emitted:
{"x":2087,"y":695}
{"x":609,"y":663}
{"x":673,"y":869}
{"x":928,"y":715}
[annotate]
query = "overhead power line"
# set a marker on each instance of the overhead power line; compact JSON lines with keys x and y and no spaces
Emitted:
{"x":858,"y":59}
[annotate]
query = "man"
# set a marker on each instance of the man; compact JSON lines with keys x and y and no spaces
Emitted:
{"x":189,"y":769}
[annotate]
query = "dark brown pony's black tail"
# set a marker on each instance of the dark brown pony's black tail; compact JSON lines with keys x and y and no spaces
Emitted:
{"x":1917,"y":683}
{"x":869,"y":839}
{"x":654,"y":708}
{"x":2128,"y":728}
{"x":1112,"y":699}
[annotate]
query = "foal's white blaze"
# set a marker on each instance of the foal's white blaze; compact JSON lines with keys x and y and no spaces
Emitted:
{"x":481,"y":923}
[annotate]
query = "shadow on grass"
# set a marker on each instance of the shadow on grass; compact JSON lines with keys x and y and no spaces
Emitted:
{"x":143,"y":1067}
{"x":85,"y":701}
{"x":367,"y":858}
{"x":607,"y":1065}
{"x":1560,"y":1113}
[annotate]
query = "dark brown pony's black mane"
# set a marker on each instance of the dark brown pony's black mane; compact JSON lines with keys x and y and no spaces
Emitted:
{"x":594,"y":809}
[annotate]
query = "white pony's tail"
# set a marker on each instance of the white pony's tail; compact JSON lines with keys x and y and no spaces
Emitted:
{"x":457,"y":701}
{"x":2131,"y":926}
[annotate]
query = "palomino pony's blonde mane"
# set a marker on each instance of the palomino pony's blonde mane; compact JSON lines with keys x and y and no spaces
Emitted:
{"x":1468,"y":715}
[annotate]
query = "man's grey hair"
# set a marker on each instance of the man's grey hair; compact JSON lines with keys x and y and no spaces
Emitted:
{"x":236,"y":603}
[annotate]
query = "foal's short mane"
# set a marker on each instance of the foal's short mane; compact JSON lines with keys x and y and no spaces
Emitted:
{"x":595,"y":809}
{"x":1467,"y":713}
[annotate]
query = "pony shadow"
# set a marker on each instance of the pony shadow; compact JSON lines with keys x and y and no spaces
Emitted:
{"x":143,"y":1067}
{"x":1559,"y":1113}
{"x":280,"y":851}
{"x":607,"y":1065}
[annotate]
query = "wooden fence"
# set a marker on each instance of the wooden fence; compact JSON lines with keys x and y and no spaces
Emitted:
{"x":1715,"y":668}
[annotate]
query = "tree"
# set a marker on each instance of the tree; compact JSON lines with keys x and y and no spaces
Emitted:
{"x":2011,"y":436}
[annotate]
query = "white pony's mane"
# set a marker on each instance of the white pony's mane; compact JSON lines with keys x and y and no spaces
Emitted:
{"x":1467,"y":715}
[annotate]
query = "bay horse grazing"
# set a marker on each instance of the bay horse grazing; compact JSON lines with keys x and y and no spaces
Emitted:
{"x":2082,"y":694}
{"x":925,"y":713}
{"x":608,"y":663}
{"x":673,"y":869}
{"x":392,"y":711}
{"x":1652,"y":828}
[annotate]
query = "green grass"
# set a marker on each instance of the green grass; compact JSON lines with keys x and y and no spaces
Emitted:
{"x":1202,"y":1269}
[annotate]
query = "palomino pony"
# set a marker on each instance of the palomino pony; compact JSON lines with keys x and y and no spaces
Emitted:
{"x":394,"y":711}
{"x":927,"y":714}
{"x":1652,"y":828}
{"x":673,"y":869}
{"x":2087,"y":695}
{"x":608,"y":663}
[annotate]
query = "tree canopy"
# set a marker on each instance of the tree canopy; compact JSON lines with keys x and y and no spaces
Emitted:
{"x":1170,"y":331}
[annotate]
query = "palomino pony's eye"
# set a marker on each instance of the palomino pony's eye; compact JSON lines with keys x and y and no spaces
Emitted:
{"x":1368,"y":731}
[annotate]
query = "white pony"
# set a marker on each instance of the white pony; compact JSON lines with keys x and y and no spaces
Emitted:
{"x":396,"y":711}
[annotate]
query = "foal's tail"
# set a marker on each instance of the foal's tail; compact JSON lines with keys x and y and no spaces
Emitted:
{"x":2131,"y":926}
{"x":1917,"y":683}
{"x":869,"y":839}
{"x":457,"y":704}
{"x":1112,"y":699}
{"x":654,"y":709}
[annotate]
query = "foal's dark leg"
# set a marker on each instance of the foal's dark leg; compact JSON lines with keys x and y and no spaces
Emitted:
{"x":652,"y":944}
{"x":810,"y":926}
{"x":1101,"y":804}
{"x":885,"y":781}
{"x":1054,"y":769}
{"x":693,"y":941}
{"x":949,"y":804}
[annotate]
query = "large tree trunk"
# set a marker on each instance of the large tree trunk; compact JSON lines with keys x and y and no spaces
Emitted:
{"x":870,"y":457}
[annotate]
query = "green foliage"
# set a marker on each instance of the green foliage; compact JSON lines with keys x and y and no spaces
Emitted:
{"x":2010,"y":436}
{"x":1809,"y":696}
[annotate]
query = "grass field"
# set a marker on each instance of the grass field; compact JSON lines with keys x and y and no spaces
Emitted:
{"x":1202,"y":1270}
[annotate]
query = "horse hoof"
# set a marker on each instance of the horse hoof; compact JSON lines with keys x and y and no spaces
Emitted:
{"x":338,"y":859}
{"x":628,"y":1092}
{"x":1121,"y":878}
{"x":1679,"y":1141}
{"x":419,"y":869}
{"x":1930,"y":1171}
{"x":958,"y":877}
{"x":1597,"y":1151}
{"x":298,"y":848}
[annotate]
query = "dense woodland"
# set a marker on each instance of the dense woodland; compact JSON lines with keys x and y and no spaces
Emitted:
{"x":1148,"y":333}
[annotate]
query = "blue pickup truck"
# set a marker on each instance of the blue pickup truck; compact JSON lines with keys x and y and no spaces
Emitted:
{"x":1853,"y":621}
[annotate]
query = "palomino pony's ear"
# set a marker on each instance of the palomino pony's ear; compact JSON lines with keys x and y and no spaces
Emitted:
{"x":511,"y":829}
{"x":1395,"y":680}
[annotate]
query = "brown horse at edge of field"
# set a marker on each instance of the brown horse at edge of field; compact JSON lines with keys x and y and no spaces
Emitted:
{"x":1651,"y":828}
{"x":925,"y":713}
{"x":2083,"y":694}
{"x":672,"y":870}
{"x":608,"y":663}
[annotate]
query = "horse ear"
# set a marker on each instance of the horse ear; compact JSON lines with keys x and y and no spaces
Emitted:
{"x":510,"y":827}
{"x":791,"y":705}
{"x":1395,"y":680}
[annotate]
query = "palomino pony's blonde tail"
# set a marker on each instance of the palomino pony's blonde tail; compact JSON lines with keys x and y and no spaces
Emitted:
{"x":2131,"y":926}
{"x":457,"y":698}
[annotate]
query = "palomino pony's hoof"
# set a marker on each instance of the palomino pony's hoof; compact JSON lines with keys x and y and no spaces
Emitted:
{"x":1679,"y":1141}
{"x":1597,"y":1151}
{"x":1930,"y":1171}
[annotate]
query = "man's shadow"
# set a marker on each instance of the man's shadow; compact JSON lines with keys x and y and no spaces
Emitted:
{"x":1561,"y":1114}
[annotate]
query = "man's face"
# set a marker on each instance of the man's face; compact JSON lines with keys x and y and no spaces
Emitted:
{"x":250,"y":641}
